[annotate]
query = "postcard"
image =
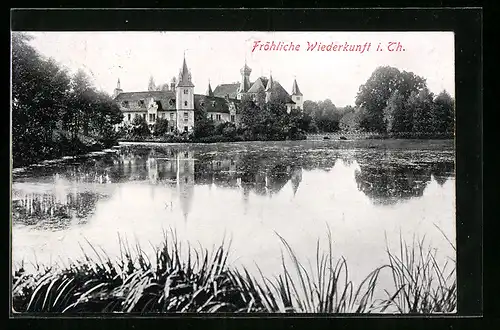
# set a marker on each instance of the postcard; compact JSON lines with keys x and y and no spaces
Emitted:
{"x":236,"y":172}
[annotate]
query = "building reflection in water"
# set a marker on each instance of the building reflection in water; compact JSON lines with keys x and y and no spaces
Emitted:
{"x":76,"y":188}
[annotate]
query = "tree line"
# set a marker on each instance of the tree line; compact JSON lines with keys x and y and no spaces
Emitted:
{"x":55,"y":113}
{"x":391,"y":102}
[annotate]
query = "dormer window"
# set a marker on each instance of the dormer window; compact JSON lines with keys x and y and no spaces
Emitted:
{"x":213,"y":103}
{"x":141,"y":103}
{"x":202,"y":103}
{"x":185,"y":91}
{"x":171,"y":102}
{"x":125,"y":104}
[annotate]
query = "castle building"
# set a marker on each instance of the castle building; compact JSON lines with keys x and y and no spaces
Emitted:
{"x":178,"y":103}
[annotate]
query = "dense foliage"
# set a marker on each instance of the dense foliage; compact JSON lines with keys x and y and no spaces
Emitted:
{"x":53,"y":112}
{"x":391,"y":102}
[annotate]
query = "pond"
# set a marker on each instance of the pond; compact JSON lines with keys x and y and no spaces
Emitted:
{"x":365,"y":192}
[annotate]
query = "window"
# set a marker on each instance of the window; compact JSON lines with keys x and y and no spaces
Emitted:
{"x":171,"y":102}
{"x":144,"y":115}
{"x":186,"y":179}
{"x":218,"y":117}
{"x":185,"y":128}
{"x":140,"y":103}
{"x":185,"y":103}
{"x":298,"y":98}
{"x":171,"y":116}
{"x":232,"y":118}
{"x":171,"y":128}
{"x":129,"y":117}
{"x":125,"y":104}
{"x":202,"y":103}
{"x":211,"y":116}
{"x":185,"y":91}
{"x":152,"y":117}
{"x":186,"y":115}
{"x":186,"y":154}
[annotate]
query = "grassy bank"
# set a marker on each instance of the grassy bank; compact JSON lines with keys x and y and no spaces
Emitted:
{"x":185,"y":279}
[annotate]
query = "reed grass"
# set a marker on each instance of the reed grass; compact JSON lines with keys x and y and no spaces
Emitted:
{"x":180,"y":278}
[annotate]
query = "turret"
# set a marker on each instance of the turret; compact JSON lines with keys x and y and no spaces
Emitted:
{"x":245,"y":80}
{"x":297,"y":96}
{"x":117,"y":90}
{"x":209,"y":90}
{"x":269,"y":88}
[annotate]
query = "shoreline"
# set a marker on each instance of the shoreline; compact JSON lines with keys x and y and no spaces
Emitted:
{"x":199,"y":280}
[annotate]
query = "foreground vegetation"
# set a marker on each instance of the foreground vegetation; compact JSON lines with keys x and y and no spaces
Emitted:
{"x":55,"y":113}
{"x":185,"y":279}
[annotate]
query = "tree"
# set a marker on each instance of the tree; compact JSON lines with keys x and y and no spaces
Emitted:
{"x":140,"y":127}
{"x":39,"y":93}
{"x":160,"y":127}
{"x":373,"y":96}
{"x":444,"y":113}
{"x":396,"y":116}
{"x":151,"y":84}
{"x":421,"y":106}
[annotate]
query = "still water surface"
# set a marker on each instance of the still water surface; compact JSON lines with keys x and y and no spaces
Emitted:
{"x":361,"y":190}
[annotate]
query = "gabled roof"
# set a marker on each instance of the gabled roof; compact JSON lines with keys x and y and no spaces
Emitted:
{"x":295,"y":88}
{"x":257,"y":86}
{"x":166,"y":99}
{"x":278,"y":92}
{"x":225,"y":89}
{"x":185,"y":76}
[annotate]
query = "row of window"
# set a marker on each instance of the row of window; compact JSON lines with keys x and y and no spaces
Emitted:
{"x":152,"y":116}
{"x":218,"y":117}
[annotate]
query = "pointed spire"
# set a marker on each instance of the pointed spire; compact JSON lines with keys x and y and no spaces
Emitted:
{"x":184,"y":75}
{"x":270,"y":83}
{"x":209,"y":91}
{"x":118,"y":84}
{"x":295,"y":88}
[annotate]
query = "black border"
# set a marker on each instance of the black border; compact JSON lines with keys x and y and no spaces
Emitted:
{"x":467,"y":25}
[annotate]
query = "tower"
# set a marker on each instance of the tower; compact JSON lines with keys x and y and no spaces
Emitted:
{"x":269,"y":88}
{"x":245,"y":80}
{"x":117,"y":90}
{"x":297,"y":96}
{"x":185,"y":100}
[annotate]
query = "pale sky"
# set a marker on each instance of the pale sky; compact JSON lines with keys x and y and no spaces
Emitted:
{"x":135,"y":56}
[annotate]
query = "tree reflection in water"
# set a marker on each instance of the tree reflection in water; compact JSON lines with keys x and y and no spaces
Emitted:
{"x":388,"y":180}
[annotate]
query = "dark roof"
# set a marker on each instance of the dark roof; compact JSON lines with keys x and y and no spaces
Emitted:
{"x":257,"y":86}
{"x":279,"y":93}
{"x":295,"y":88}
{"x":166,"y":99}
{"x":225,"y":89}
{"x":206,"y":102}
